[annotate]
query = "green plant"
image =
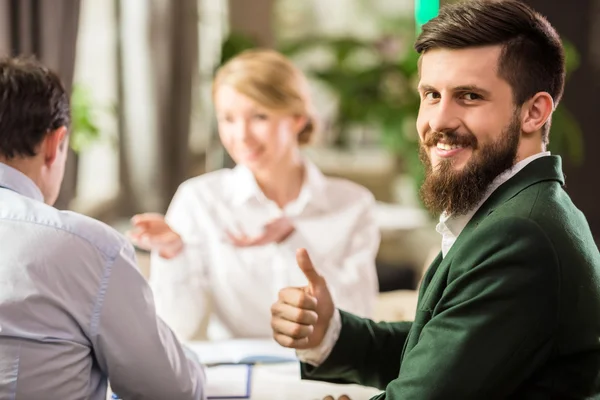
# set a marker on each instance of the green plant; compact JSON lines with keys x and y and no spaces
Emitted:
{"x":84,"y":130}
{"x":234,"y":44}
{"x":379,"y":93}
{"x":566,"y":137}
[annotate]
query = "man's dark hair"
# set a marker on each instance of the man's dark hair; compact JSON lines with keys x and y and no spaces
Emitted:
{"x":532,"y":58}
{"x":33,"y":102}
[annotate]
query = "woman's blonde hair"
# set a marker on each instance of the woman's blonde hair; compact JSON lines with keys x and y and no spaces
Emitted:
{"x":270,"y":79}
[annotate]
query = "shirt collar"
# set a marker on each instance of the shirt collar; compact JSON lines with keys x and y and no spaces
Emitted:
{"x":457,"y":223}
{"x":17,"y":181}
{"x":245,"y":188}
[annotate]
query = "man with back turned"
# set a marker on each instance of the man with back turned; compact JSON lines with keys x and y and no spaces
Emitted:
{"x":74,"y":309}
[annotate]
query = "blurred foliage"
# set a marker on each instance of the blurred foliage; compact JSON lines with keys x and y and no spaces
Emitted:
{"x":234,"y":44}
{"x":379,"y":94}
{"x":375,"y":82}
{"x":84,"y":129}
{"x":566,"y":136}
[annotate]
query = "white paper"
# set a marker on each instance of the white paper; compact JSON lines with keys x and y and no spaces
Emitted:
{"x":228,"y":381}
{"x":236,"y":351}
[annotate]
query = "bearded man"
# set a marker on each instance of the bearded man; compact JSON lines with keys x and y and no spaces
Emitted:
{"x":510,"y":307}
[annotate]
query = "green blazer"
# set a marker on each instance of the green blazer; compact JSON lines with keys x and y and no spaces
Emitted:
{"x":512,"y":311}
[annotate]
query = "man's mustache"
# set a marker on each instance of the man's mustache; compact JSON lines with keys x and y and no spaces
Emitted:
{"x":451,"y":138}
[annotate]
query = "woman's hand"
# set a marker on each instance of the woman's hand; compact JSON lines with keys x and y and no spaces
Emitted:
{"x":275,"y":231}
{"x":151,"y":232}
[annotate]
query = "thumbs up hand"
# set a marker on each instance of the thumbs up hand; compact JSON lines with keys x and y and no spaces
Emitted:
{"x":301,"y":316}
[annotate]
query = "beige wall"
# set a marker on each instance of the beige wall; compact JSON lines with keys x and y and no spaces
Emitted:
{"x":254,"y":18}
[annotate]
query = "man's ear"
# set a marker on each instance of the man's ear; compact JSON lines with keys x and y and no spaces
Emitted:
{"x":53,"y":143}
{"x":536,"y":112}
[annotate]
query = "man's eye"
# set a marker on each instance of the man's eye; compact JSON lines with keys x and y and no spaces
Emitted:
{"x":432,"y":96}
{"x":471,"y":96}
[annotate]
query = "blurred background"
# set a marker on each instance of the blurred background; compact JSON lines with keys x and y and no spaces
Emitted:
{"x":140,"y":75}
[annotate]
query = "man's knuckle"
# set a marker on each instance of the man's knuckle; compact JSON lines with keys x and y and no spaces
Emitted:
{"x":297,"y":331}
{"x":300,"y":315}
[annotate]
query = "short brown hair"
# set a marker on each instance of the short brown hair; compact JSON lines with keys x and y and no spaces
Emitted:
{"x":532,"y":58}
{"x":273,"y":81}
{"x":33,"y":102}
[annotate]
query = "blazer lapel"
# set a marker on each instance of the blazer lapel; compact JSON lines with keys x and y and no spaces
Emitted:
{"x":429,"y":275}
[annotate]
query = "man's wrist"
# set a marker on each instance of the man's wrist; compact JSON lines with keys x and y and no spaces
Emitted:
{"x":317,"y":355}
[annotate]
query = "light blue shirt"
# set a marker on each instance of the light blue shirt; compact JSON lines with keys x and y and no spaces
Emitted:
{"x":75,"y":310}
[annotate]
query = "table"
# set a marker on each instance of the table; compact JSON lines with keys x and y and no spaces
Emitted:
{"x":269,"y":381}
{"x":272,"y":381}
{"x":282,"y":382}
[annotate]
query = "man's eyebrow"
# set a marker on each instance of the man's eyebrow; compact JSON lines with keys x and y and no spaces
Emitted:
{"x":426,"y":88}
{"x":461,"y":88}
{"x":471,"y":88}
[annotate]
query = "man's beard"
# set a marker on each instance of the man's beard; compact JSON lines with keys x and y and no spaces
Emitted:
{"x":458,"y":192}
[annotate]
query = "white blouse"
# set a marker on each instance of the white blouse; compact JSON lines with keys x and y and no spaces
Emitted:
{"x":333,"y":220}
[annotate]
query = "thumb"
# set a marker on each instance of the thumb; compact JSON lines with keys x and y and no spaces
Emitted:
{"x":306,"y":265}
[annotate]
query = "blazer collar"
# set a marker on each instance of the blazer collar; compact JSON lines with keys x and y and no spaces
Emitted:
{"x":541,"y":170}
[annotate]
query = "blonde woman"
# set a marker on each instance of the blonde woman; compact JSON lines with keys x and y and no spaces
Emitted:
{"x":227,"y":244}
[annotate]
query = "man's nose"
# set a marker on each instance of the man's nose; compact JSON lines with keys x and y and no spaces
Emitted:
{"x":444,"y":117}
